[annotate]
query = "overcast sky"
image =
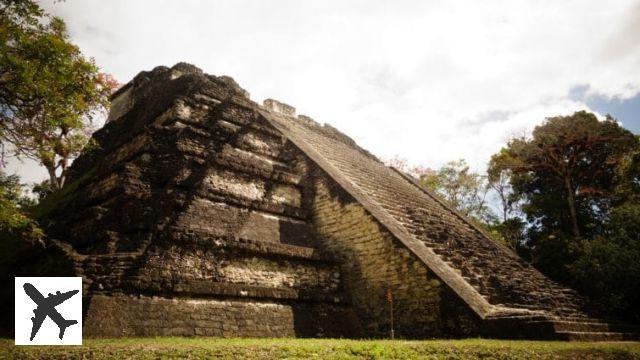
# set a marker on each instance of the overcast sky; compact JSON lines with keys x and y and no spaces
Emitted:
{"x":430,"y":81}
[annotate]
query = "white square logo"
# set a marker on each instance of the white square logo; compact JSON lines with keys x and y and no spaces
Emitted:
{"x":48,"y":311}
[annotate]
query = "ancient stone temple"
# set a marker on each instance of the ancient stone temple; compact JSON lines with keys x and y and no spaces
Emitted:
{"x":200,"y":212}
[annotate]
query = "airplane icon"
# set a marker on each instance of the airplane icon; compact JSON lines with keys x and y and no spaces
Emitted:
{"x":47,"y":307}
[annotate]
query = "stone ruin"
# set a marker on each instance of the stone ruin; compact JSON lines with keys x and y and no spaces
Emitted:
{"x":200,"y":212}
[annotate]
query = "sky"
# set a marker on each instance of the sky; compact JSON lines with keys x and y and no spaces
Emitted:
{"x":429,"y":81}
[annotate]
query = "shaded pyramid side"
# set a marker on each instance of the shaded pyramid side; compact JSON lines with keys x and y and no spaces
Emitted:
{"x":186,"y":219}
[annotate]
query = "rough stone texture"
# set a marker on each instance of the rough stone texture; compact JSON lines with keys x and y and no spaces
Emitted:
{"x":125,"y":315}
{"x":274,"y":105}
{"x":484,"y":264}
{"x":192,"y":204}
{"x":374,"y":262}
{"x":203,"y":213}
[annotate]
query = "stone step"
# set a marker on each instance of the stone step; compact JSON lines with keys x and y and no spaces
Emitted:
{"x":209,"y":289}
{"x":585,"y":318}
{"x":542,"y":327}
{"x":584,"y":326}
{"x":524,"y":318}
{"x":256,"y":247}
{"x":596,"y":336}
{"x":117,"y":256}
{"x":483,"y":264}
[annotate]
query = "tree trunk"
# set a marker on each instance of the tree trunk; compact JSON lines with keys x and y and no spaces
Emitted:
{"x":64,"y":163}
{"x":505,"y":204}
{"x":53,"y":179}
{"x":571,"y":201}
{"x":504,"y":211}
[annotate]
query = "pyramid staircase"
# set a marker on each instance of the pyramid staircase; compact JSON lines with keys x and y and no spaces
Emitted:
{"x":508,"y":282}
{"x":513,"y":299}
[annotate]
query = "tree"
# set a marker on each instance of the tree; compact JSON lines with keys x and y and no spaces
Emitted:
{"x":462,"y":188}
{"x":510,"y":232}
{"x":49,"y":93}
{"x":607,"y":267}
{"x":42,"y":190}
{"x":509,"y":228}
{"x":566,"y":171}
{"x":499,"y":180}
{"x":628,"y":177}
{"x":401,"y":164}
{"x":578,"y":180}
{"x":14,"y":223}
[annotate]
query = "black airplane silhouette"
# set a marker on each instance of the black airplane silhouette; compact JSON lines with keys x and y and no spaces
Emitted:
{"x":47,"y":307}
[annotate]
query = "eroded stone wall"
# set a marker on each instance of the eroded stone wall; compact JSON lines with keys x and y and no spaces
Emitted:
{"x":174,"y":263}
{"x":372,"y":262}
{"x":126,"y":315}
{"x":192,"y":205}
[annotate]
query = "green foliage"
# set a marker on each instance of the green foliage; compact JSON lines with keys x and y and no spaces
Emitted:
{"x":510,"y":232}
{"x":13,"y":220}
{"x":566,"y":172}
{"x":462,"y":188}
{"x":565,"y":175}
{"x":42,"y":190}
{"x":579,"y":183}
{"x":607,"y":267}
{"x":628,"y":176}
{"x":499,"y":177}
{"x":16,"y":228}
{"x":49,"y":93}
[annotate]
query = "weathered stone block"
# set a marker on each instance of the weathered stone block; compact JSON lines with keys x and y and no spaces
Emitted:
{"x":279,"y":107}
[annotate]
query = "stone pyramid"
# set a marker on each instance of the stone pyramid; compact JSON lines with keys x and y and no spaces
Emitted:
{"x":200,"y":212}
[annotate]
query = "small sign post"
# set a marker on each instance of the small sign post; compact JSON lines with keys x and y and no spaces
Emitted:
{"x":390,"y":300}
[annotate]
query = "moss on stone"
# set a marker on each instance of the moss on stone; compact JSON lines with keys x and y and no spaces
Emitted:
{"x":59,"y":198}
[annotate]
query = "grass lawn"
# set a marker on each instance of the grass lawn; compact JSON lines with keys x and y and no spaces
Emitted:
{"x":173,"y":347}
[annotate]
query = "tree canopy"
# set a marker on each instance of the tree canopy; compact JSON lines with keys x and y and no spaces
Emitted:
{"x":566,"y":172}
{"x":14,"y":222}
{"x":577,"y":181}
{"x":49,"y":92}
{"x":461,"y":187}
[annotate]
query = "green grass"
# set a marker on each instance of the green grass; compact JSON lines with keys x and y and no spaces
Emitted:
{"x":155,"y":348}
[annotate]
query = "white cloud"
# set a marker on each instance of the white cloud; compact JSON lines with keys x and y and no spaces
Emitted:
{"x":427,"y":80}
